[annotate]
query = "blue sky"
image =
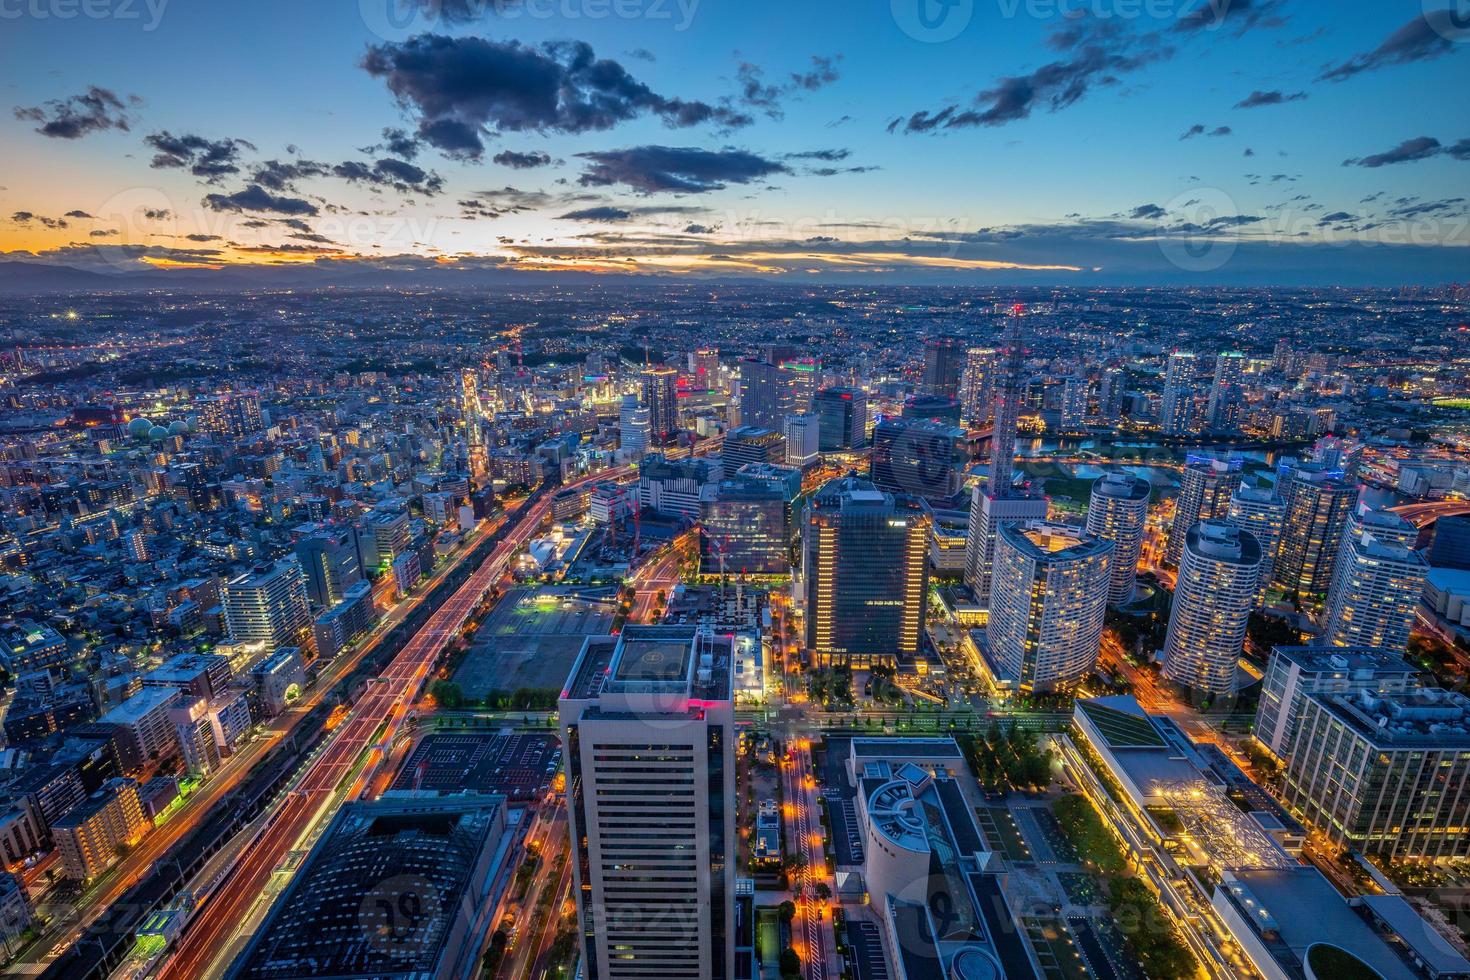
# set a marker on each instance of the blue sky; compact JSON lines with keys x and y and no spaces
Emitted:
{"x":1078,"y":162}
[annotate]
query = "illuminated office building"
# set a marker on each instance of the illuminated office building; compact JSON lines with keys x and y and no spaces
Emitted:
{"x":1261,"y":511}
{"x":1318,"y":504}
{"x":1375,"y":593}
{"x":1205,"y":488}
{"x":865,"y":572}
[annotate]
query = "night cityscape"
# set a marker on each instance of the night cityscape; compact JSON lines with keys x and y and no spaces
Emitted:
{"x":929,"y":490}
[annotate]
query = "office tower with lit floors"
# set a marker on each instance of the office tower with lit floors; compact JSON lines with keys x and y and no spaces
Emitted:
{"x":919,"y":458}
{"x":661,"y":395}
{"x":1048,"y":598}
{"x":1225,"y":407}
{"x":648,"y":731}
{"x":1117,"y":511}
{"x":1206,"y":485}
{"x":998,"y":502}
{"x":1375,"y":593}
{"x":1213,"y":599}
{"x":1176,"y":411}
{"x":767,"y":393}
{"x":1261,"y":511}
{"x":864,"y":576}
{"x":1318,"y":504}
{"x":803,"y":439}
{"x":842,"y":418}
{"x":635,"y":427}
{"x":944,"y":362}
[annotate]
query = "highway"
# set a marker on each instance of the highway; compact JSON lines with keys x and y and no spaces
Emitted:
{"x":131,"y":868}
{"x":659,"y":575}
{"x":373,"y":720}
{"x":1423,"y":514}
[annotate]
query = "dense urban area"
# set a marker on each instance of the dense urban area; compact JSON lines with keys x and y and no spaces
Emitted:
{"x":736,"y":631}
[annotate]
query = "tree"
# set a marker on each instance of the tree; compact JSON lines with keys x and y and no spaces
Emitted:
{"x":786,"y":911}
{"x":790,"y":963}
{"x":822,"y":891}
{"x":447,"y":694}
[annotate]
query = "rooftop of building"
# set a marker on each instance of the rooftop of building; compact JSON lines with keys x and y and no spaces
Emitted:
{"x":667,"y":659}
{"x":1345,"y":659}
{"x":1122,"y":485}
{"x":147,"y":700}
{"x":1053,"y":542}
{"x":1223,"y":542}
{"x":326,"y":924}
{"x":1290,"y":910}
{"x":1419,"y":719}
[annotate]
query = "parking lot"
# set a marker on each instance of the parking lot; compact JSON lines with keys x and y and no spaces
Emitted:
{"x":516,"y":764}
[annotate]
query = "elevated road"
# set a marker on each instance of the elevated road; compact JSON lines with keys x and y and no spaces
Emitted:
{"x":373,"y":720}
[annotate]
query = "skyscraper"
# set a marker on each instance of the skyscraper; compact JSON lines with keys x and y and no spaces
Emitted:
{"x":919,"y":458}
{"x":1224,"y":407}
{"x":649,"y":742}
{"x":1451,"y":546}
{"x":1386,"y":527}
{"x":1048,"y":598}
{"x":977,"y":387}
{"x":1375,"y":593}
{"x":767,"y":393}
{"x":803,"y":438}
{"x":943,"y":364}
{"x":268,"y":605}
{"x":1176,"y":413}
{"x":1074,"y":403}
{"x":842,"y":418}
{"x":998,"y":503}
{"x":233,"y":414}
{"x":1318,"y":503}
{"x":1205,"y":487}
{"x":1118,"y":512}
{"x":1213,"y":599}
{"x":328,"y":558}
{"x":865,"y":572}
{"x":1261,"y":511}
{"x":635,"y":427}
{"x":661,"y":395}
{"x":1110,"y":389}
{"x":744,"y":528}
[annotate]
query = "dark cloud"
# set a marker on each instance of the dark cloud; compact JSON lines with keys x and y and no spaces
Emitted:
{"x":27,"y":217}
{"x":463,"y":89}
{"x":400,"y":175}
{"x":157,"y":214}
{"x":80,"y":214}
{"x":1147,"y":212}
{"x":1417,"y":209}
{"x":506,"y":200}
{"x":200,"y":237}
{"x":282,"y":175}
{"x":1336,"y":217}
{"x":1238,"y":15}
{"x":1249,"y":152}
{"x":1273,"y":97}
{"x":828,"y":156}
{"x":680,"y":169}
{"x":700,"y":229}
{"x":1425,"y":36}
{"x":1459,"y":150}
{"x":210,"y":159}
{"x":256,"y":198}
{"x":604,"y":212}
{"x":1097,"y":52}
{"x":757,"y":93}
{"x":104,"y":233}
{"x":522,"y":161}
{"x":1198,"y":129}
{"x":1419,"y":148}
{"x":71,"y":118}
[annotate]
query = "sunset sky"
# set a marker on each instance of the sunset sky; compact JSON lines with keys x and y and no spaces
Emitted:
{"x":956,"y":140}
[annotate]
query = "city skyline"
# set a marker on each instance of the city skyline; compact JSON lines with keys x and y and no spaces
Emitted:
{"x":919,"y":142}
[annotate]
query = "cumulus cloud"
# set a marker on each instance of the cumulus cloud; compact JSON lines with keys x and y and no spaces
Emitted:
{"x":206,"y":158}
{"x":73,"y":117}
{"x":462,"y":90}
{"x":680,"y":169}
